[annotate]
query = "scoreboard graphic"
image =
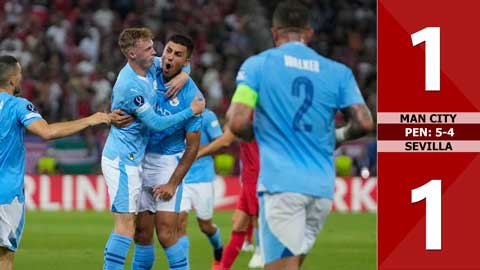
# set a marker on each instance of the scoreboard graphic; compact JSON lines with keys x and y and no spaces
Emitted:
{"x":428,"y":134}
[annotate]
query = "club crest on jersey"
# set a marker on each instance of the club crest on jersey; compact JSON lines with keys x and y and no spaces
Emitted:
{"x":174,"y":102}
{"x":32,"y":108}
{"x":139,"y":101}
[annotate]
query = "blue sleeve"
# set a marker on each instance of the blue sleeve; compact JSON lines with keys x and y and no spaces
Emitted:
{"x":249,"y":73}
{"x":158,"y":123}
{"x":193,"y":124}
{"x":135,"y":103}
{"x":26,"y":112}
{"x":212,"y":126}
{"x":349,"y":93}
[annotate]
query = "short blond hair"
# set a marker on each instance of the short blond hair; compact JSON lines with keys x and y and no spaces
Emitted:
{"x":129,"y":37}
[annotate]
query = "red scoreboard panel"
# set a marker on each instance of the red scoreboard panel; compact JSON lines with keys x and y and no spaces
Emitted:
{"x":428,"y":134}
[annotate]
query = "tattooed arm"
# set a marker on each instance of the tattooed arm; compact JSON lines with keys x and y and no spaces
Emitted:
{"x":239,"y":120}
{"x":359,"y":123}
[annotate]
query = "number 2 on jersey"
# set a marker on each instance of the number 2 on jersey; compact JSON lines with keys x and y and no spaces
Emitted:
{"x":307,"y":102}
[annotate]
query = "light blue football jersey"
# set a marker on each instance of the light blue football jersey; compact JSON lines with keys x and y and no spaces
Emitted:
{"x":203,"y":170}
{"x":15,"y":115}
{"x":131,"y":93}
{"x":172,"y":140}
{"x":298,"y":94}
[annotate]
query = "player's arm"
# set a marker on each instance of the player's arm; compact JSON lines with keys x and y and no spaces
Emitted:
{"x":176,"y":84}
{"x":166,"y":192}
{"x":223,"y":141}
{"x":351,"y":103}
{"x":359,"y":123}
{"x":119,"y":119}
{"x":47,"y":131}
{"x":244,"y":100}
{"x":157,"y":122}
{"x":239,"y":114}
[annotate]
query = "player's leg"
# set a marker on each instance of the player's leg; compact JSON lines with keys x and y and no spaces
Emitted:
{"x":317,"y":212}
{"x":240,"y":222}
{"x":182,"y":232}
{"x":166,"y":225}
{"x":203,"y":202}
{"x":6,"y":258}
{"x":248,"y":243}
{"x":257,"y":260}
{"x":282,"y":229}
{"x":247,"y":206}
{"x":119,"y":241}
{"x":166,"y":222}
{"x":124,"y":188}
{"x":212,"y":232}
{"x":186,"y":206}
{"x":12,"y":218}
{"x":144,"y":251}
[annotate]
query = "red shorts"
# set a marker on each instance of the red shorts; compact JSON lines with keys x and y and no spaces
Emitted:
{"x":248,"y":201}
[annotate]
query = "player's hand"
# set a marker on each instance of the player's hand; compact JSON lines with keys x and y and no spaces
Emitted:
{"x":99,"y":118}
{"x":176,"y":84}
{"x":198,"y":104}
{"x":164,"y":192}
{"x":118,"y":118}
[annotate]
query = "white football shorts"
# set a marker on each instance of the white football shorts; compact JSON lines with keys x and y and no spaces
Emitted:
{"x":199,"y":196}
{"x":157,"y":170}
{"x":289,"y":223}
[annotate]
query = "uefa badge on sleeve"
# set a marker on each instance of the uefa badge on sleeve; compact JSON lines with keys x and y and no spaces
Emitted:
{"x":32,"y":108}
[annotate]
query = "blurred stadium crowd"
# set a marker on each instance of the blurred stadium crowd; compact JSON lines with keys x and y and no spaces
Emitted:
{"x":70,"y":57}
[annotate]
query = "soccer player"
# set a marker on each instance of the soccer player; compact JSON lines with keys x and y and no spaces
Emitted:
{"x":247,"y":206}
{"x":168,"y":157}
{"x":198,"y":191}
{"x":16,"y":115}
{"x":135,"y":93}
{"x":295,"y":93}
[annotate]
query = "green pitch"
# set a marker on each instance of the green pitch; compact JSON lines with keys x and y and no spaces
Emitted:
{"x":75,"y":240}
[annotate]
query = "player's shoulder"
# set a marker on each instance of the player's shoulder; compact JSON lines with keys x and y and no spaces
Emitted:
{"x":208,"y":115}
{"x":22,"y":102}
{"x":20,"y":105}
{"x":333,"y":65}
{"x":257,"y":59}
{"x":129,"y":83}
{"x":189,"y":90}
{"x":127,"y":77}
